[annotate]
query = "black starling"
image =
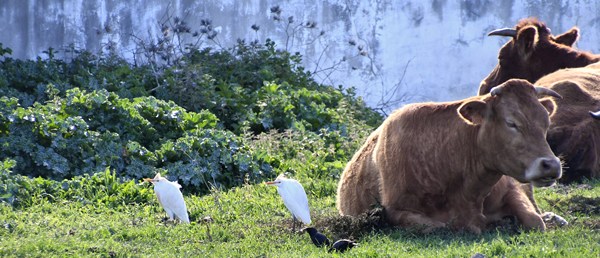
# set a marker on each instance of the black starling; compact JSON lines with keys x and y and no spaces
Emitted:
{"x":342,"y":245}
{"x":317,"y":238}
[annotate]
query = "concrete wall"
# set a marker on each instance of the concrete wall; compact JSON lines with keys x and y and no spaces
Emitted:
{"x":433,"y":50}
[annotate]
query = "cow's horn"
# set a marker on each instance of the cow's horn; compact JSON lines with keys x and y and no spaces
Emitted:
{"x":496,"y":91}
{"x":507,"y":32}
{"x":595,"y":115}
{"x":542,"y":91}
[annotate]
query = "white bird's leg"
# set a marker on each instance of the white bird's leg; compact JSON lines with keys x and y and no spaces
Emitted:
{"x":171,"y":215}
{"x":293,"y":223}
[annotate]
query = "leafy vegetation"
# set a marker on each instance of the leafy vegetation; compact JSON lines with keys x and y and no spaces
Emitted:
{"x":64,"y":119}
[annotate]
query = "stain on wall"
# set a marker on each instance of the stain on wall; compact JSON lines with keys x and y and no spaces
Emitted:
{"x":404,"y":51}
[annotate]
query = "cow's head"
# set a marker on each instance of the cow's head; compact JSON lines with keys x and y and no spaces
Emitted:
{"x":531,"y":53}
{"x":512,"y":125}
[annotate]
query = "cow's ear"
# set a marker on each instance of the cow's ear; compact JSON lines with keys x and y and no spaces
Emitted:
{"x":472,"y":111}
{"x":527,"y":38}
{"x":549,"y":105}
{"x":568,"y":38}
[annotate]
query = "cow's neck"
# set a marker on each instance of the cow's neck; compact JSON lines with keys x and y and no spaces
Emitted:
{"x":480,"y":180}
{"x":477,"y":184}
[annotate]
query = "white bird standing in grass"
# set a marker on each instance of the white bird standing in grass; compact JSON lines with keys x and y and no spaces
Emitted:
{"x":294,"y":198}
{"x":170,"y":198}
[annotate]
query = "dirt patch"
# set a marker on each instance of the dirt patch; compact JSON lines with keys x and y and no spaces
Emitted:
{"x":578,"y":204}
{"x":568,"y":188}
{"x":585,"y":205}
{"x":353,"y":227}
{"x":593,"y":224}
{"x":584,"y":210}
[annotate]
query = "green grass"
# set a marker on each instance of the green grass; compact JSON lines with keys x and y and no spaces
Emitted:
{"x":251,"y":221}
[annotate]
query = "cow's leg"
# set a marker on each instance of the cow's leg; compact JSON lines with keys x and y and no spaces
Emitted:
{"x":404,"y":218}
{"x":473,"y":220}
{"x":546,"y":216}
{"x":528,"y":189}
{"x":511,"y":198}
{"x":521,"y":206}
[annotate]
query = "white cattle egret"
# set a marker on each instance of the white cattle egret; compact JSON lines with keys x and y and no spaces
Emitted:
{"x":170,"y":197}
{"x":294,"y":198}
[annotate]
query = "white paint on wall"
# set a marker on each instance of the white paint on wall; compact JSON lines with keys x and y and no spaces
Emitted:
{"x":414,"y":50}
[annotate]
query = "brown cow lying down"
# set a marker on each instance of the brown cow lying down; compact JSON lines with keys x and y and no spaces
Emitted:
{"x":534,"y":54}
{"x":435,"y":164}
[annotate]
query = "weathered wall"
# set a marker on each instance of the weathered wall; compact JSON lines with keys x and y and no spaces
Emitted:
{"x":432,"y":50}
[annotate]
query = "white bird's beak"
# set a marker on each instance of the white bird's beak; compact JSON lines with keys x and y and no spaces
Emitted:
{"x":271,"y":183}
{"x":151,"y":180}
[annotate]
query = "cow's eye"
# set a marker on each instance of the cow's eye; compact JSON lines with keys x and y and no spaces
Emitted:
{"x":511,"y":125}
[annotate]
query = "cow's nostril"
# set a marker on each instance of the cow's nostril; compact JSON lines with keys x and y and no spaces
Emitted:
{"x":546,"y":164}
{"x":550,"y":164}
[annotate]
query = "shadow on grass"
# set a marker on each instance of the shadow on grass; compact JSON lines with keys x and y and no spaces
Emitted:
{"x":584,"y":210}
{"x":374,"y":221}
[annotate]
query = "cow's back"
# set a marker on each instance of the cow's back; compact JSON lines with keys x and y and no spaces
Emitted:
{"x":580,"y":91}
{"x":587,"y":77}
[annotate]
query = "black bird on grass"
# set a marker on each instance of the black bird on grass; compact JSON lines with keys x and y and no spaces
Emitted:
{"x":317,"y":238}
{"x":342,"y":245}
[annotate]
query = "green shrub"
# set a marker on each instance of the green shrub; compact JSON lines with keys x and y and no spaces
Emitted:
{"x":86,"y":132}
{"x":103,"y":188}
{"x":261,"y":88}
{"x":63,"y":119}
{"x":213,"y":158}
{"x":26,"y":80}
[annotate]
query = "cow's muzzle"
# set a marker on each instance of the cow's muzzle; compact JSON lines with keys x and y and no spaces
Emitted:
{"x":544,"y":171}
